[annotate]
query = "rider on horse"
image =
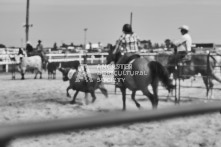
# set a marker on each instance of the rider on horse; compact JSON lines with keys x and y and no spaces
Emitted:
{"x":29,"y":48}
{"x":183,"y":45}
{"x":127,"y":45}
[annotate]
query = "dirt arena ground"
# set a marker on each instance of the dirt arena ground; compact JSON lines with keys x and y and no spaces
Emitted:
{"x":43,"y":99}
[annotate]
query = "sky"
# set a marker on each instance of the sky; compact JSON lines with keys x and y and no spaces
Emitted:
{"x":63,"y":21}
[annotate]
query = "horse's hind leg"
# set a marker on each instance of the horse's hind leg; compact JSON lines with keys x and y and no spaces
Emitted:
{"x":133,"y":98}
{"x":150,"y":96}
{"x":36,"y":73}
{"x":93,"y":96}
{"x":40,"y":72}
{"x":22,"y":76}
{"x":209,"y":85}
{"x":103,"y":90}
{"x":74,"y":98}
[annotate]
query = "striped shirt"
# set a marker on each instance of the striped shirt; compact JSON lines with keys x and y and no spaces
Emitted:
{"x":127,"y":43}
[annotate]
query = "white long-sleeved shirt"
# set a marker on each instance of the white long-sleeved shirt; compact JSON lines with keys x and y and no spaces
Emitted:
{"x":185,"y":43}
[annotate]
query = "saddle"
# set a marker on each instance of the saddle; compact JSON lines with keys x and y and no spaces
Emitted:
{"x":185,"y":60}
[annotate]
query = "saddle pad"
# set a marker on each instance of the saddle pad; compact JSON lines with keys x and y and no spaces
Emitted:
{"x":71,"y":73}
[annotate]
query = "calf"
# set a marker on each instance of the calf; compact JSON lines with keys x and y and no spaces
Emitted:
{"x":52,"y":67}
{"x":79,"y":82}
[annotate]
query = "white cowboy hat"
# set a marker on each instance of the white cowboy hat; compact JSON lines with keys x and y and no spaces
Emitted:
{"x":185,"y":27}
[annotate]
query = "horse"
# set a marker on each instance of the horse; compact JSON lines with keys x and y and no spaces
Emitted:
{"x":154,"y":72}
{"x":80,"y":82}
{"x":32,"y":62}
{"x":197,"y":63}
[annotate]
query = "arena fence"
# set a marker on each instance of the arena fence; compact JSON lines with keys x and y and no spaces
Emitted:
{"x":100,"y":58}
{"x":27,"y":129}
{"x":89,"y":58}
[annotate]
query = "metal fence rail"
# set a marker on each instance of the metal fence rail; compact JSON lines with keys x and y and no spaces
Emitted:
{"x":9,"y":132}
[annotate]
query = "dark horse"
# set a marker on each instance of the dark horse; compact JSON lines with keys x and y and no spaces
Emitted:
{"x":196,"y":63}
{"x":152,"y":73}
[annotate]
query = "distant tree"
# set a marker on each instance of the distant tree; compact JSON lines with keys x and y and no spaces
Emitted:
{"x":2,"y":46}
{"x":55,"y":46}
{"x":64,"y":45}
{"x":156,"y":45}
{"x":162,"y":45}
{"x":72,"y":44}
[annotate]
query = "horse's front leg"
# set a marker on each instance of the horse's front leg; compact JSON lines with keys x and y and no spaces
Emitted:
{"x":86,"y":98}
{"x":54,"y":74}
{"x":69,"y":87}
{"x":22,"y":75}
{"x":13,"y":74}
{"x":36,"y":73}
{"x":40,"y":74}
{"x":75,"y":95}
{"x":206,"y":82}
{"x":123,"y":91}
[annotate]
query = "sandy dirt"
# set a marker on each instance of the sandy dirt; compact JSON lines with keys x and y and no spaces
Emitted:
{"x":43,"y":99}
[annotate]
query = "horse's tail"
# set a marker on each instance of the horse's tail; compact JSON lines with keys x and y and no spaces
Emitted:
{"x":214,"y":59}
{"x":159,"y":71}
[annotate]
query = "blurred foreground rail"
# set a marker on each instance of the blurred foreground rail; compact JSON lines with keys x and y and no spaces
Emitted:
{"x":27,"y":129}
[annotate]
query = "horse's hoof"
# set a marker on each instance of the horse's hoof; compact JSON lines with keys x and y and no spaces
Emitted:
{"x":138,"y":106}
{"x":68,"y":95}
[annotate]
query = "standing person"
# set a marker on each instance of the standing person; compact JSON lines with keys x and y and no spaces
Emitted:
{"x":39,"y":46}
{"x":127,"y":45}
{"x":29,"y":48}
{"x":183,"y":44}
